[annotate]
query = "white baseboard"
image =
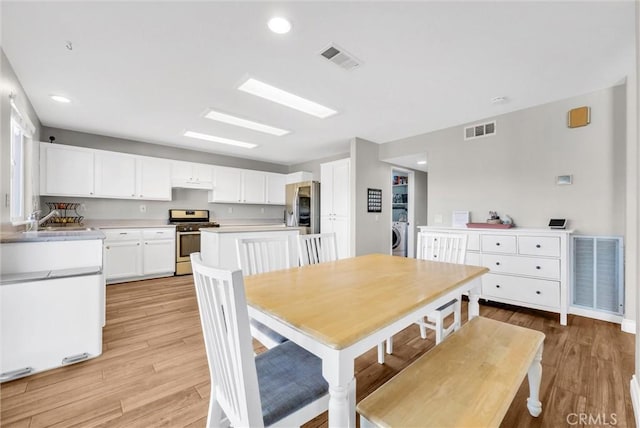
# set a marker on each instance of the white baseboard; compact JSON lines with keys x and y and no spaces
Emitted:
{"x":629,"y":326}
{"x":635,"y":399}
{"x":598,"y":315}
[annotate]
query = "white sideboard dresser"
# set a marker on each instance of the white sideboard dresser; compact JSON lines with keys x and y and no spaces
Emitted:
{"x":528,"y":267}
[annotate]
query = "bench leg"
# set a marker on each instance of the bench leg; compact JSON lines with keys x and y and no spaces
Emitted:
{"x":535,"y":375}
{"x":365,"y":423}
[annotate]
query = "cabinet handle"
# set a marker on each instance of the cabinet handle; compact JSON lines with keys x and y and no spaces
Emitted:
{"x":91,"y":193}
{"x":497,"y":286}
{"x":538,"y":267}
{"x":124,"y":233}
{"x":435,"y":256}
{"x":138,"y":244}
{"x":108,"y":248}
{"x":133,"y":194}
{"x":497,"y":244}
{"x":497,"y":263}
{"x":537,"y":245}
{"x":538,"y":292}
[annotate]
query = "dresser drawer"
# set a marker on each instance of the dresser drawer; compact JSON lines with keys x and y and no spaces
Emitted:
{"x":517,"y":265}
{"x":498,"y":244}
{"x":122,"y":234}
{"x":160,"y":233}
{"x":527,"y":290}
{"x":539,"y":246}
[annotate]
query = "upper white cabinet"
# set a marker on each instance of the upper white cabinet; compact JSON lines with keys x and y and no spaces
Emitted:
{"x":335,"y":204}
{"x":115,"y":175}
{"x":276,"y":184}
{"x":191,"y":175}
{"x":154,"y":180}
{"x":66,"y":170}
{"x":233,"y":185}
{"x":78,"y":171}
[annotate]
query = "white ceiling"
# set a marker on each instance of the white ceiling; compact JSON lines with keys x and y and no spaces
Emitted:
{"x":148,"y":71}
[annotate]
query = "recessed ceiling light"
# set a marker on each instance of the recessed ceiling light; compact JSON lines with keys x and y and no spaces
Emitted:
{"x":232,"y":120}
{"x":60,"y":99}
{"x":271,"y":93}
{"x":423,"y":162}
{"x":498,"y":100}
{"x":279,"y":25}
{"x":221,"y":140}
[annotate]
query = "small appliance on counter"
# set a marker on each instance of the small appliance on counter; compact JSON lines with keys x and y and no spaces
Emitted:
{"x":188,"y":224}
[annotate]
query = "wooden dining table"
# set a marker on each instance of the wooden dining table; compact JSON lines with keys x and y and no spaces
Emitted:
{"x":339,"y":310}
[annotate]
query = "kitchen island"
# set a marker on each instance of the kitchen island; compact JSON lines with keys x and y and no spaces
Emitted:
{"x":218,"y":244}
{"x":52,"y":300}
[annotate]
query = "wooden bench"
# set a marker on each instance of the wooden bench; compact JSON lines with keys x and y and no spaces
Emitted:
{"x":469,"y":380}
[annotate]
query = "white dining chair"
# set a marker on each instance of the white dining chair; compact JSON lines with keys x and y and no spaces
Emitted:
{"x":260,"y":255}
{"x":438,"y":247}
{"x":317,"y":248}
{"x":283,"y":386}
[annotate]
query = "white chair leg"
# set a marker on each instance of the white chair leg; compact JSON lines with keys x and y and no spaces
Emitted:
{"x":381,"y":353}
{"x":390,"y":345}
{"x":423,"y":328}
{"x":439,"y":327}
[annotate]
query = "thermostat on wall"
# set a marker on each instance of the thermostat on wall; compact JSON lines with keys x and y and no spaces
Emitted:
{"x":558,"y":223}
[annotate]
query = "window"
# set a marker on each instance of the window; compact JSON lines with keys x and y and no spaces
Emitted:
{"x":17,"y":172}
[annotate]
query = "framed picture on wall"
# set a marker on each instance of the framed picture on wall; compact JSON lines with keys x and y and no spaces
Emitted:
{"x":460,"y":219}
{"x":374,"y":200}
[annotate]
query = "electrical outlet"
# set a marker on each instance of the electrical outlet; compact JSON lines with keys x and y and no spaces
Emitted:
{"x":230,"y":210}
{"x":143,"y":208}
{"x":262,"y":210}
{"x":82,"y":208}
{"x":437,"y":219}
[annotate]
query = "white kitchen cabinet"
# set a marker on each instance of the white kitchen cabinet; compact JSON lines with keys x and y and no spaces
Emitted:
{"x":115,"y":175}
{"x":254,"y":187}
{"x":335,"y":203}
{"x":154,"y":179}
{"x":276,"y":184}
{"x":191,"y":175}
{"x":528,"y":267}
{"x":159,"y":251}
{"x":227,"y":185}
{"x":66,"y":170}
{"x":123,"y":254}
{"x":132,"y":254}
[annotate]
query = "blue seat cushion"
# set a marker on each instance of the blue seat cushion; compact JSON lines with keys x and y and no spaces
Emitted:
{"x":289,"y":377}
{"x":267,"y":331}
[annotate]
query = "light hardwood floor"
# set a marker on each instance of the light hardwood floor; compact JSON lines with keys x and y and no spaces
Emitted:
{"x":153,"y":370}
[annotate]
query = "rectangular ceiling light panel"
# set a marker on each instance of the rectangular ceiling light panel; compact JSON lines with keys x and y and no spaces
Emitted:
{"x":220,"y":140}
{"x":237,"y":121}
{"x":271,"y":93}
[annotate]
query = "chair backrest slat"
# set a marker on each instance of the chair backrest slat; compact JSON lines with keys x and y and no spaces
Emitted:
{"x":259,"y":255}
{"x":317,"y":248}
{"x":225,"y":326}
{"x":442,"y":247}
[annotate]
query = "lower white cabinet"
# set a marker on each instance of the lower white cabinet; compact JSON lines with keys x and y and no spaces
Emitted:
{"x":528,"y":267}
{"x":132,"y":254}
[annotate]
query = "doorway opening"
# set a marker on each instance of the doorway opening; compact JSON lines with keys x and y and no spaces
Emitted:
{"x":402,"y":212}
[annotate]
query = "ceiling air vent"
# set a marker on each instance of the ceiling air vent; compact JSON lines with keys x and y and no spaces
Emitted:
{"x":341,"y":58}
{"x":480,"y":130}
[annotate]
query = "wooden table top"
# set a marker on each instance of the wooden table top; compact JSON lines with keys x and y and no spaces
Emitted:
{"x":341,"y":302}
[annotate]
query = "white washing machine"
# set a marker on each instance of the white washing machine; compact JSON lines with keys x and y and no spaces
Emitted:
{"x":399,"y":238}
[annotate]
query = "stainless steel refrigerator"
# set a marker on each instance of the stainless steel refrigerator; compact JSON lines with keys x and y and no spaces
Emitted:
{"x":303,"y":205}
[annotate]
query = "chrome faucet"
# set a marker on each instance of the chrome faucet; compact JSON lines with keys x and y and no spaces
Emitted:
{"x":32,"y":222}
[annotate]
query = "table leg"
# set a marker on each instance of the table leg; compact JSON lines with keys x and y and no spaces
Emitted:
{"x":474,"y":297}
{"x":342,"y":392}
{"x":535,"y":375}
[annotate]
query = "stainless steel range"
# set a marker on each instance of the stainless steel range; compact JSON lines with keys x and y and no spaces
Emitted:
{"x":188,"y":224}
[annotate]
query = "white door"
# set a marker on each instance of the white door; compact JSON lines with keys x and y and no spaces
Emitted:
{"x":343,"y":236}
{"x":159,"y":256}
{"x":115,"y":175}
{"x":254,"y":187}
{"x":276,"y":184}
{"x":123,"y":259}
{"x":67,"y":171}
{"x":154,"y":179}
{"x":341,"y":188}
{"x":227,"y":185}
{"x":202,"y":173}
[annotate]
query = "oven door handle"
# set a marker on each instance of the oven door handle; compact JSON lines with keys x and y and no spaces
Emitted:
{"x":195,"y":232}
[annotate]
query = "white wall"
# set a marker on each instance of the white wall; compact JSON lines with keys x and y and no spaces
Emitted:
{"x":514,"y":171}
{"x":314,"y":165}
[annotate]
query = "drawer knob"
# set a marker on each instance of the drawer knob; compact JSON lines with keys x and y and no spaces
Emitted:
{"x":498,"y":244}
{"x":497,"y":263}
{"x":538,"y":292}
{"x":497,"y":286}
{"x":537,"y":245}
{"x":538,"y":267}
{"x":435,"y":256}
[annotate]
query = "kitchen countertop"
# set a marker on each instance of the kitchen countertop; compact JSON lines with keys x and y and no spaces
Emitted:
{"x":51,"y":235}
{"x":125,"y":224}
{"x":251,"y":228}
